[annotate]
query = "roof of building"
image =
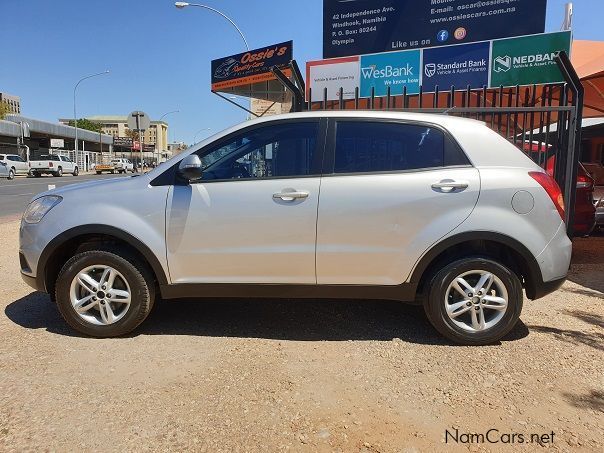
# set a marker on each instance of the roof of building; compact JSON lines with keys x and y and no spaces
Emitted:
{"x":51,"y":129}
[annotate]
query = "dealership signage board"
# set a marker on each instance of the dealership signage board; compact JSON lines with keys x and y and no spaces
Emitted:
{"x":57,"y":143}
{"x":393,"y":69}
{"x":524,"y":60}
{"x":528,"y":60}
{"x":370,"y":26}
{"x":250,"y":67}
{"x":122,"y":141}
{"x":333,"y":75}
{"x":457,"y":66}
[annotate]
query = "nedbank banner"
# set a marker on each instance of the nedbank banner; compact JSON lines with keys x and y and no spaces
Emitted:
{"x":526,"y":60}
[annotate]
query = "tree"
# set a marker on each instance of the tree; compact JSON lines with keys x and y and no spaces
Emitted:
{"x":132,"y":134}
{"x":4,"y":110}
{"x":83,"y":123}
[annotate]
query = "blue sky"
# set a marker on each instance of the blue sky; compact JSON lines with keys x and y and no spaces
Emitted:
{"x":159,"y":56}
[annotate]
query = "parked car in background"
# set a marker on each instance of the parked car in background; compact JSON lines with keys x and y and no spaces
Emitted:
{"x":16,"y":164}
{"x":585,"y":212}
{"x":122,"y":165}
{"x":53,"y":164}
{"x":599,"y":204}
{"x":4,"y":171}
{"x":596,"y":171}
{"x":417,"y":208}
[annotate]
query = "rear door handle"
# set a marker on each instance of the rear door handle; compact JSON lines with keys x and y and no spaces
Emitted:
{"x":290,"y":196}
{"x":449,"y":185}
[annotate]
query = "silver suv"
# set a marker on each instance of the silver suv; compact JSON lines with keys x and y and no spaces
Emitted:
{"x":426,"y":209}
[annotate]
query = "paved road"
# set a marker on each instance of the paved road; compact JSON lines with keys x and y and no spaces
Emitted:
{"x":16,"y":194}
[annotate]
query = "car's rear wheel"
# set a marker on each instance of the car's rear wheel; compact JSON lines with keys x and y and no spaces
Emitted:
{"x":101,"y":294}
{"x":58,"y":173}
{"x":76,"y":171}
{"x":474,"y":301}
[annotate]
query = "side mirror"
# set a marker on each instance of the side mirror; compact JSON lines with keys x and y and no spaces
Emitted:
{"x":190,"y":168}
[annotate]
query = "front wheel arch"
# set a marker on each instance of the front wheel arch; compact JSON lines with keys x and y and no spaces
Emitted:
{"x":87,"y":237}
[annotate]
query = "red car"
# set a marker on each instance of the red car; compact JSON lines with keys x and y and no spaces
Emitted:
{"x":585,"y":211}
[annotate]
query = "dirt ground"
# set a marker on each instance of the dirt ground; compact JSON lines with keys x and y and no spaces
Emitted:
{"x":235,"y":375}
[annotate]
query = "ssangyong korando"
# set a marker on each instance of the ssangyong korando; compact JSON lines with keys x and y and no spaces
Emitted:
{"x":418,"y":208}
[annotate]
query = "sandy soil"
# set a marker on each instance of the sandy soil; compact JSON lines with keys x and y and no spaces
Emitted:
{"x":237,"y":375}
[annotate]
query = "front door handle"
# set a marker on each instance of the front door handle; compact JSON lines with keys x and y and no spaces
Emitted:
{"x":449,"y":185}
{"x":291,"y":196}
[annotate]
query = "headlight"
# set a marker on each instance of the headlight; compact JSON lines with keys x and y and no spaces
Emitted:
{"x":37,"y":209}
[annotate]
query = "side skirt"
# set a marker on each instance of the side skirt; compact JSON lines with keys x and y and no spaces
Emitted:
{"x":405,"y":292}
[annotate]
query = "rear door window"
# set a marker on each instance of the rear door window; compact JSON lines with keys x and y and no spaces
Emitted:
{"x":371,"y":146}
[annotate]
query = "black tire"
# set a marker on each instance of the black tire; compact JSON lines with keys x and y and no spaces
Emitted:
{"x":434,"y":301}
{"x":36,"y":174}
{"x":11,"y":174}
{"x":76,"y":171}
{"x":58,"y":173}
{"x":98,"y":172}
{"x":139,"y":278}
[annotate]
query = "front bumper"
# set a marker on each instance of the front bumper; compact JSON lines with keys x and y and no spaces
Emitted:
{"x":32,"y":281}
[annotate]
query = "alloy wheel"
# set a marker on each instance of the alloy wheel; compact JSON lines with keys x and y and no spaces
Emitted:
{"x":100,"y":295}
{"x":476,"y":300}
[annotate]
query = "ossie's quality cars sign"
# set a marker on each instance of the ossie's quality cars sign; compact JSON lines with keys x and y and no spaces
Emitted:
{"x":250,"y":67}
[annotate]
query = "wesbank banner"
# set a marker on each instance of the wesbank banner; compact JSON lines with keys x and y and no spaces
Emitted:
{"x":526,"y":60}
{"x":393,"y":69}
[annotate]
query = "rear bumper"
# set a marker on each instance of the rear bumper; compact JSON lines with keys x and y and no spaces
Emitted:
{"x":554,"y":262}
{"x":542,"y":289}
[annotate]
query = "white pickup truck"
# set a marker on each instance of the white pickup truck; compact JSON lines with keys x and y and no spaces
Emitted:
{"x":53,"y":164}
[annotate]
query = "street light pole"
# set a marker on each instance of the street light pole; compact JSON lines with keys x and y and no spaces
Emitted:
{"x":75,"y":114}
{"x":181,"y":5}
{"x":197,"y":133}
{"x":157,"y":135}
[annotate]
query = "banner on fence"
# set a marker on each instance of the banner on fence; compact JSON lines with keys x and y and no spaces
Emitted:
{"x":525,"y":60}
{"x":333,"y":75}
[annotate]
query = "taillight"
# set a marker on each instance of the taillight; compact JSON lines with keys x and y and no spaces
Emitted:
{"x":584,"y":182}
{"x":50,"y":164}
{"x":552,"y":188}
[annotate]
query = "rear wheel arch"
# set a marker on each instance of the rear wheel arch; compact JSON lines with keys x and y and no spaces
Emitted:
{"x":91,"y":237}
{"x":499,"y":247}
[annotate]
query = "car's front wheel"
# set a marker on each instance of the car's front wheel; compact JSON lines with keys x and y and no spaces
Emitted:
{"x":76,"y":171}
{"x":11,"y":173}
{"x":474,"y":301}
{"x":102,"y":295}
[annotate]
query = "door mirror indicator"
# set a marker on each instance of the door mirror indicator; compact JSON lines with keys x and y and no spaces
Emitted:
{"x":190,"y":168}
